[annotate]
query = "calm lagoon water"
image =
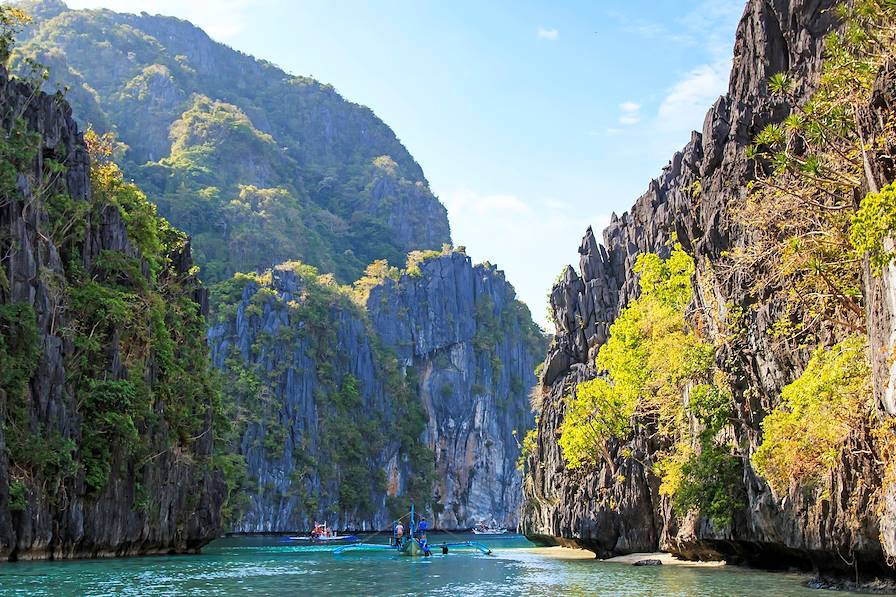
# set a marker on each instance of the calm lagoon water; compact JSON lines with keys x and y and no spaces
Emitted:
{"x":273,"y":566}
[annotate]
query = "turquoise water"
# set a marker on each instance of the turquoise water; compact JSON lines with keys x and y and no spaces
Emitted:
{"x":270,"y":566}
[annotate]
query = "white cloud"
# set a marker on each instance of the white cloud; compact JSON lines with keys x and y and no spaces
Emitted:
{"x":705,"y":25}
{"x":544,"y":33}
{"x":688,"y":100}
{"x":631,"y":113}
{"x":466,"y":201}
{"x":221,"y":19}
{"x":705,"y":22}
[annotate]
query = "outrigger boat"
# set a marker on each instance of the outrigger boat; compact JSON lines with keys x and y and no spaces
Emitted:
{"x":321,"y":534}
{"x":488,"y":529}
{"x":413,"y":544}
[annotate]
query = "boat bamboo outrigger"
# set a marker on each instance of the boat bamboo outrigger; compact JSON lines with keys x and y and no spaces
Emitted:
{"x":488,"y":529}
{"x":413,"y":544}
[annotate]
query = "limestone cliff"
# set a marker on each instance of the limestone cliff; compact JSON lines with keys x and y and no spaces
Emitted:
{"x":836,"y":527}
{"x":474,"y":348}
{"x":351,"y":410}
{"x":94,"y":457}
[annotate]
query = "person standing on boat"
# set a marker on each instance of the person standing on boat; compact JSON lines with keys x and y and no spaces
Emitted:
{"x":399,"y":532}
{"x":422,"y":527}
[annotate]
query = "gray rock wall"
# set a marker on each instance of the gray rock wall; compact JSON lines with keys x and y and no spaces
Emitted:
{"x":474,"y":348}
{"x":60,"y":518}
{"x":465,"y":349}
{"x":291,"y":486}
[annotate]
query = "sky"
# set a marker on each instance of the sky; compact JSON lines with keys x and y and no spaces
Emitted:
{"x":531,"y":120}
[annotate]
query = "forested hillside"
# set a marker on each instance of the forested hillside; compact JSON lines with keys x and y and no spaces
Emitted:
{"x":340,"y":401}
{"x":258,"y":165}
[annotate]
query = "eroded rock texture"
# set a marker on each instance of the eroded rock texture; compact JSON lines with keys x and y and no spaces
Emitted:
{"x":473,"y":347}
{"x":466,"y":350}
{"x":168,"y":503}
{"x":835,"y":528}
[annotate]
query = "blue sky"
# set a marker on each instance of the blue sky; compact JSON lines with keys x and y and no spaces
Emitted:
{"x":531,"y":120}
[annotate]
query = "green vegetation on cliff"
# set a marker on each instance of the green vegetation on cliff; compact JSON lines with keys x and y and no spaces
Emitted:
{"x":810,"y":233}
{"x":807,"y":432}
{"x":811,"y":236}
{"x":137,"y":365}
{"x":873,"y":227}
{"x":326,"y":393}
{"x":351,"y":434}
{"x":143,"y":308}
{"x":652,"y":358}
{"x":649,"y":358}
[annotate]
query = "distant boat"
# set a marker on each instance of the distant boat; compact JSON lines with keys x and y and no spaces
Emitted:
{"x":326,"y":539}
{"x":490,"y":529}
{"x":322,"y":534}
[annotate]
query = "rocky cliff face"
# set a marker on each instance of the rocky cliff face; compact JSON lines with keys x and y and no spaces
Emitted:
{"x":590,"y":508}
{"x":298,"y":362}
{"x":354,"y":408}
{"x":473,"y":348}
{"x":880,"y":288}
{"x":70,"y":484}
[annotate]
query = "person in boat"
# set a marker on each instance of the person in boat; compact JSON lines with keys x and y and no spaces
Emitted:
{"x":399,"y":532}
{"x":422,"y":527}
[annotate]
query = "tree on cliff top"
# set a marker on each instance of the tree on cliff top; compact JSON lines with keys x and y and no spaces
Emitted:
{"x":12,"y":20}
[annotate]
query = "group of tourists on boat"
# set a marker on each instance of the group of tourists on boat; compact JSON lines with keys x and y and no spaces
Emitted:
{"x":399,"y":539}
{"x":321,"y":531}
{"x":412,"y":540}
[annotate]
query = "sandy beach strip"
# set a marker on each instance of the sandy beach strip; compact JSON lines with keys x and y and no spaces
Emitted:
{"x":666,"y":558}
{"x":572,"y":553}
{"x":562,"y":553}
